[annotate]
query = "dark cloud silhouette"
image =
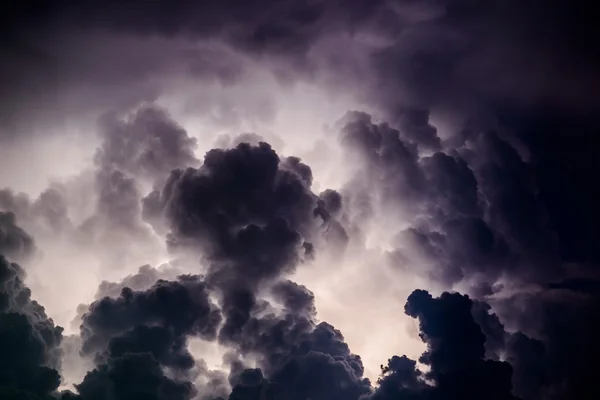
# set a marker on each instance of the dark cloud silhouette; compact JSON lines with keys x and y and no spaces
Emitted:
{"x":514,"y":209}
{"x":563,"y":159}
{"x":233,"y":189}
{"x":495,"y":335}
{"x":476,"y":216}
{"x":134,"y":375}
{"x":314,"y":362}
{"x":141,"y":334}
{"x":182,"y":306}
{"x":566,"y":323}
{"x":455,"y":354}
{"x":253,"y":217}
{"x":460,"y":56}
{"x":29,"y":340}
{"x":298,"y":358}
{"x":137,"y":335}
{"x":527,"y":356}
{"x":485,"y":211}
{"x":251,"y":214}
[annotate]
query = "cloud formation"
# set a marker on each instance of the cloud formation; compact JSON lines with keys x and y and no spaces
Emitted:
{"x":28,"y":338}
{"x":466,"y":162}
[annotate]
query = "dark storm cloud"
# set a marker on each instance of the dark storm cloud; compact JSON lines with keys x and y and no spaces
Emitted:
{"x":168,"y":350}
{"x":549,"y":211}
{"x":29,"y":340}
{"x":495,"y":334}
{"x":133,"y":375}
{"x":182,"y":306}
{"x":461,"y":55}
{"x":527,"y":356}
{"x":301,"y":360}
{"x":564,"y":160}
{"x":565,"y":321}
{"x":138,"y":334}
{"x":488,"y":211}
{"x":143,"y":279}
{"x":71,"y":43}
{"x":217,"y":204}
{"x":507,"y":183}
{"x":297,"y":357}
{"x":438,"y":195}
{"x":410,"y":58}
{"x":455,"y":355}
{"x":295,"y":298}
{"x":250,"y":213}
{"x":287,"y":26}
{"x":478,"y":209}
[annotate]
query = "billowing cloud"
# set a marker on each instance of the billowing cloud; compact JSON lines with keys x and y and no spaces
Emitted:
{"x":148,"y":144}
{"x":466,"y":166}
{"x":29,"y":340}
{"x":250,"y":213}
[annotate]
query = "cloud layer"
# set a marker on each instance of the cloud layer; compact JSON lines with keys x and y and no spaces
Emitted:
{"x":424,"y":168}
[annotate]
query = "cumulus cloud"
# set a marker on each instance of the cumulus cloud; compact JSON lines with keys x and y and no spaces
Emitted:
{"x":466,"y":166}
{"x":30,"y":341}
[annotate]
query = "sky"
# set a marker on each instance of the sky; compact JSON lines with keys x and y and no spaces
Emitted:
{"x":299,"y":200}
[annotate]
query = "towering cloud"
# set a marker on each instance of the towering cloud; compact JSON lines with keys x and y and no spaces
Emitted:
{"x":136,"y":151}
{"x":437,"y":196}
{"x":455,"y":355}
{"x":469,"y":166}
{"x":251,"y":214}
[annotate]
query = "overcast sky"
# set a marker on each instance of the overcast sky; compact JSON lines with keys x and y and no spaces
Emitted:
{"x":299,"y":199}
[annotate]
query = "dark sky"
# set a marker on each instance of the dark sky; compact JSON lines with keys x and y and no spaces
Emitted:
{"x":462,"y":167}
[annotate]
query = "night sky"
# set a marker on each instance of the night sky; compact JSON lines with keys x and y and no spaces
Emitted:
{"x":299,"y":200}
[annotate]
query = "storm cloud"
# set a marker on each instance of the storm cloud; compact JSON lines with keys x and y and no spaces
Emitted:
{"x":30,"y":341}
{"x":278,"y":158}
